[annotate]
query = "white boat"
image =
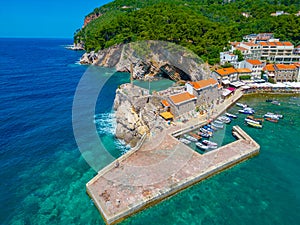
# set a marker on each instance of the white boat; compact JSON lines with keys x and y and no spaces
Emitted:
{"x":246,"y":111}
{"x":275,"y":102}
{"x":190,"y":138}
{"x":224,"y":119}
{"x":202,"y":146}
{"x":272,"y":116}
{"x":217,"y":125}
{"x":252,"y":121}
{"x":278,"y":115}
{"x":184,"y":141}
{"x":210,"y":143}
{"x":219,"y":122}
{"x":206,"y":131}
{"x":249,"y":109}
{"x":231,"y":115}
{"x":241,"y":105}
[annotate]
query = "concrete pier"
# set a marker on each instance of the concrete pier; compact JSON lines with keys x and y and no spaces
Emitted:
{"x":160,"y":168}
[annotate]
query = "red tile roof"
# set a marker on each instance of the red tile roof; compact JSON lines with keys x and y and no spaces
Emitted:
{"x":249,"y":44}
{"x":241,"y":48}
{"x":276,"y":43}
{"x":203,"y":83}
{"x":226,"y":71}
{"x":285,"y":67}
{"x":254,"y":61}
{"x":243,"y":70}
{"x":165,"y":103}
{"x":269,"y":67}
{"x":182,"y":97}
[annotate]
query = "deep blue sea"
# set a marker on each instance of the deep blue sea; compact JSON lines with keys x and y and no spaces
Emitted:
{"x":43,"y":173}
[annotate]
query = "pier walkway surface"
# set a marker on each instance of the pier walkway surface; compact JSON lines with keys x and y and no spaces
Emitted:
{"x":160,"y":168}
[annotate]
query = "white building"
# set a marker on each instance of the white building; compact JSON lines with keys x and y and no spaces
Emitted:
{"x":278,"y":52}
{"x":254,"y":65}
{"x":228,"y":57}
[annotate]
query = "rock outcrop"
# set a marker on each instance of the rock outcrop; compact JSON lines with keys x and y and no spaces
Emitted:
{"x":136,"y":113}
{"x":151,"y":58}
{"x":90,"y":18}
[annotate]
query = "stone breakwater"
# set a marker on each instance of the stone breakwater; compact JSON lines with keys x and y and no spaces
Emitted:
{"x":155,"y":172}
{"x":149,"y":59}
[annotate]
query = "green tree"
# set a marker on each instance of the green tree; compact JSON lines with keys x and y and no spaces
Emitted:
{"x":239,"y":54}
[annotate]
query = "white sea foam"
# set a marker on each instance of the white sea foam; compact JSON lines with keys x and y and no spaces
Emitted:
{"x":105,"y":123}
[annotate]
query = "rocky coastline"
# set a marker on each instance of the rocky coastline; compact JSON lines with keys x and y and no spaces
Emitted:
{"x":149,"y":59}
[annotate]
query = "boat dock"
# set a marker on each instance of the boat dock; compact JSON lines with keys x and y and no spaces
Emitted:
{"x":161,"y":167}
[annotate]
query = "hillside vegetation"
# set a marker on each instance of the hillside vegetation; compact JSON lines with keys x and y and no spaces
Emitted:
{"x":204,"y":26}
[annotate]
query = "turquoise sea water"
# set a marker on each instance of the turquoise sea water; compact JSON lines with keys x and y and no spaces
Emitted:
{"x":43,"y":174}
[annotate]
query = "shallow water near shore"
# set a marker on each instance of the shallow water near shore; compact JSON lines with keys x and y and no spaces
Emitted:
{"x":43,"y":173}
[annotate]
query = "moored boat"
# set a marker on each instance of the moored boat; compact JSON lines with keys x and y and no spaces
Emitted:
{"x":241,"y":105}
{"x":275,"y":102}
{"x":208,"y":128}
{"x":206,"y":131}
{"x":202,"y":134}
{"x":210,"y":143}
{"x":202,"y":146}
{"x":190,"y":138}
{"x":198,"y":137}
{"x":272,"y":120}
{"x":224,"y":119}
{"x":250,"y":124}
{"x":184,"y":141}
{"x":274,"y":117}
{"x":216,"y":125}
{"x":246,"y":111}
{"x":255,"y":119}
{"x":231,"y":115}
{"x":252,"y":121}
{"x":280,"y":116}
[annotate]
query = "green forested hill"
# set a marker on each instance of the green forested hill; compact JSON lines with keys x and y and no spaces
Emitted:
{"x":204,"y":26}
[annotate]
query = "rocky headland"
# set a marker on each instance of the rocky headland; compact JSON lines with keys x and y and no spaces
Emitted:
{"x":149,"y":59}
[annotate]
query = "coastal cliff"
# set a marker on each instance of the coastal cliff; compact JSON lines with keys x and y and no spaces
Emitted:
{"x":150,"y":58}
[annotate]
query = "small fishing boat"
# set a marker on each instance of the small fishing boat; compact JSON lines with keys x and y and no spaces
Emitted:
{"x":241,"y":105}
{"x":206,"y":132}
{"x":216,"y":125}
{"x":198,"y":137}
{"x":249,"y":109}
{"x":252,"y":121}
{"x":184,"y":141}
{"x":272,"y":120}
{"x":231,"y":115}
{"x":190,"y":138}
{"x":202,"y":146}
{"x":208,"y":128}
{"x":219,"y":122}
{"x":278,"y":115}
{"x":275,"y":102}
{"x":224,"y":119}
{"x":272,"y":116}
{"x":202,"y":134}
{"x":246,"y":111}
{"x":209,"y":143}
{"x":255,"y":119}
{"x":254,"y":125}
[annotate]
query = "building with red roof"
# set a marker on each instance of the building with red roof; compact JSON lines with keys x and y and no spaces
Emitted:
{"x":204,"y":90}
{"x":283,"y":72}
